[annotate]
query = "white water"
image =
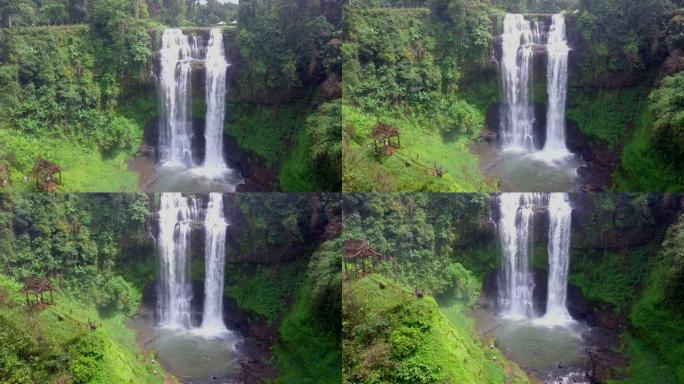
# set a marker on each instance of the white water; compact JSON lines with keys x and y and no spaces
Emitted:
{"x":215,"y":94}
{"x":517,"y":118}
{"x":557,"y":89}
{"x":175,"y":128}
{"x":176,"y":214}
{"x":215,"y":225}
{"x":516,"y":229}
{"x":560,"y":224}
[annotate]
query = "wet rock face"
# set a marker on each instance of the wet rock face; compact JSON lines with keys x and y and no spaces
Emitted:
{"x":493,"y":123}
{"x":575,"y":139}
{"x":198,"y":142}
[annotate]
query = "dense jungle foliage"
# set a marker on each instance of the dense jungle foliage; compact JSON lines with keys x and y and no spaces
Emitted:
{"x":81,"y":94}
{"x":427,"y":68}
{"x":97,"y":251}
{"x":625,"y":258}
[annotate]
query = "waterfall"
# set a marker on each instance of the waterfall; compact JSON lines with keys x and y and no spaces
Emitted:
{"x":557,"y":89}
{"x":175,"y":291}
{"x":560,"y":218}
{"x":215,"y":225}
{"x":516,"y":282}
{"x":517,"y":117}
{"x":175,"y":125}
{"x":215,"y":98}
{"x":516,"y":229}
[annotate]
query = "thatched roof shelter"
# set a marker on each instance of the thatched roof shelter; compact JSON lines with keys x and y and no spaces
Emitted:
{"x":5,"y":176}
{"x":48,"y":175}
{"x":382,"y":135}
{"x":358,"y":249}
{"x":383,"y":131}
{"x":35,"y":287}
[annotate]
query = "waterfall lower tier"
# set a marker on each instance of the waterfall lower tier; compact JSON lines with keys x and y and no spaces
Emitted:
{"x":516,"y":228}
{"x":215,"y":226}
{"x":175,"y":130}
{"x":517,"y":118}
{"x":557,"y":89}
{"x":560,"y":223}
{"x":175,"y":291}
{"x":215,"y":93}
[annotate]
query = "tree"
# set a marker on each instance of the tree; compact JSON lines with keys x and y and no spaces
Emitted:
{"x":11,"y":8}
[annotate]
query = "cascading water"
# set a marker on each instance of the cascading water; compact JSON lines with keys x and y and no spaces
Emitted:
{"x":516,"y":226}
{"x":175,"y":291}
{"x":215,"y":98}
{"x":557,"y":88}
{"x":515,"y":233}
{"x":517,"y":118}
{"x":175,"y":126}
{"x":215,"y":225}
{"x":560,"y":223}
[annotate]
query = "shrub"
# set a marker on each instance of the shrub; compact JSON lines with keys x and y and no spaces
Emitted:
{"x":404,"y":341}
{"x":86,"y":354}
{"x":118,"y":295}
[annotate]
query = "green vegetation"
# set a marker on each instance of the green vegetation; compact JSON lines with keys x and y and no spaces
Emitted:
{"x":425,"y":67}
{"x":307,"y":349}
{"x":289,"y":112}
{"x":656,"y":317}
{"x":55,"y":345}
{"x":403,"y":70}
{"x":435,"y":241}
{"x":624,"y":258}
{"x":96,"y":249}
{"x":81,"y":95}
{"x":60,"y":103}
{"x":61,"y":237}
{"x":390,"y":336}
{"x":638,"y":283}
{"x":312,"y":139}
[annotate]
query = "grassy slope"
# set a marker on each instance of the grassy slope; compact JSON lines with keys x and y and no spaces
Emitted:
{"x":418,"y":341}
{"x":121,"y":362}
{"x":406,"y":170}
{"x":84,"y":168}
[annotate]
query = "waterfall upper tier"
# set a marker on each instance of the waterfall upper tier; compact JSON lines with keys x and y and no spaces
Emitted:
{"x":520,"y":40}
{"x":178,"y":137}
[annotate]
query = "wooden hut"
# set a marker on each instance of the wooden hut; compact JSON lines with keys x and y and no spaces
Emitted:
{"x":47,"y":174}
{"x":5,"y":176}
{"x":386,"y":138}
{"x":34,"y":288}
{"x":361,"y":256}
